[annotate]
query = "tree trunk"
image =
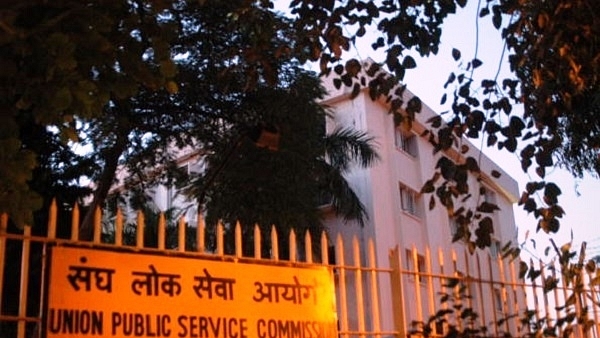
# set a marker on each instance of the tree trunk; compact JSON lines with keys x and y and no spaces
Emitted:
{"x":111,"y":162}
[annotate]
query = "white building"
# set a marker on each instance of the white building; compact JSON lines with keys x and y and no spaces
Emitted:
{"x":399,"y":216}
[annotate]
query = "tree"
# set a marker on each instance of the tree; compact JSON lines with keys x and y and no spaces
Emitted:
{"x":553,"y":46}
{"x":61,"y":62}
{"x":216,"y":109}
{"x":283,"y":176}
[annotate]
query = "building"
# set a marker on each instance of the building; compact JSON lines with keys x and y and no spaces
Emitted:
{"x":399,"y":215}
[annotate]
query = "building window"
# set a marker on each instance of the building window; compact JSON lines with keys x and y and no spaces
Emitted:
{"x":453,"y":226}
{"x":495,"y":248}
{"x":498,"y":299}
{"x":415,"y":270}
{"x":488,"y":195}
{"x":408,"y":200}
{"x":406,"y":141}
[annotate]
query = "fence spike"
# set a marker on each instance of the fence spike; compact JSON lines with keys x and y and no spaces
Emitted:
{"x":24,"y":278}
{"x":492,"y":293}
{"x":340,"y":267}
{"x":75,"y":223}
{"x":238,"y":240}
{"x":181,"y":234}
{"x":52,"y":215}
{"x":200,"y":233}
{"x":503,"y":293}
{"x":220,"y":246}
{"x":324,"y":248}
{"x":161,"y":231}
{"x":372,"y":264}
{"x":358,"y":280}
{"x":481,"y":304}
{"x":274,"y":244}
{"x":97,"y":225}
{"x":3,"y":223}
{"x":308,"y":247}
{"x":429,"y":272}
{"x":417,"y":283}
{"x":119,"y":228}
{"x":3,"y":228}
{"x":293,"y":246}
{"x":257,"y":242}
{"x":139,"y":241}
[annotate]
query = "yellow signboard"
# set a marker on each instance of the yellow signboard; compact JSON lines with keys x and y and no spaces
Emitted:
{"x":96,"y":293}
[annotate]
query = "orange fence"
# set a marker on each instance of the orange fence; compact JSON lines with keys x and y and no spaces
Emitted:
{"x":414,"y":293}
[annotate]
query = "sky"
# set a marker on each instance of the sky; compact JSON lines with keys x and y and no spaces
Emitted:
{"x":580,"y":197}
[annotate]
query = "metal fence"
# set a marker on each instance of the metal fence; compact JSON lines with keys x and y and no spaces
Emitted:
{"x":445,"y":293}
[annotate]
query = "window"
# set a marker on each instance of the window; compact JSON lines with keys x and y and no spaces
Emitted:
{"x":495,"y":248}
{"x":498,"y":299}
{"x":420,"y":266}
{"x":488,"y":195}
{"x":406,"y":141}
{"x":408,"y":200}
{"x":453,"y":226}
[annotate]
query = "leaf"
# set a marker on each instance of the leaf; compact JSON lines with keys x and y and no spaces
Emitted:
{"x":353,"y":67}
{"x":471,"y":164}
{"x":450,"y":79}
{"x":361,"y":31}
{"x":523,"y":267}
{"x":451,"y":282}
{"x":172,"y":87}
{"x":447,"y":168}
{"x":428,"y":187}
{"x":487,"y":207}
{"x":338,"y":69}
{"x":484,"y":233}
{"x":409,"y":62}
{"x":337,"y":83}
{"x":496,"y":16}
{"x":551,"y":193}
{"x":455,"y":54}
{"x":414,"y":105}
{"x":550,"y":284}
{"x":590,"y":266}
{"x":476,"y":63}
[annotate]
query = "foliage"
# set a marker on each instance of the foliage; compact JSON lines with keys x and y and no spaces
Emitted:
{"x":218,"y":110}
{"x":283,"y":182}
{"x":553,"y":53}
{"x":63,"y":60}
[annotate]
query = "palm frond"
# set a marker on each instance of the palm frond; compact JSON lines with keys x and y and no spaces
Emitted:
{"x":345,"y":146}
{"x":345,"y":202}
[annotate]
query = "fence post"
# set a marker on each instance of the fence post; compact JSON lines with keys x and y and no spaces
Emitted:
{"x":24,"y":281}
{"x":397,"y":293}
{"x":3,"y":227}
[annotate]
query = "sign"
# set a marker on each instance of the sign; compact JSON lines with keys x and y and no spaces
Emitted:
{"x":97,"y":293}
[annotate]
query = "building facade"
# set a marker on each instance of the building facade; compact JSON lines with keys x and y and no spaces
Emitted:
{"x":400,"y":216}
